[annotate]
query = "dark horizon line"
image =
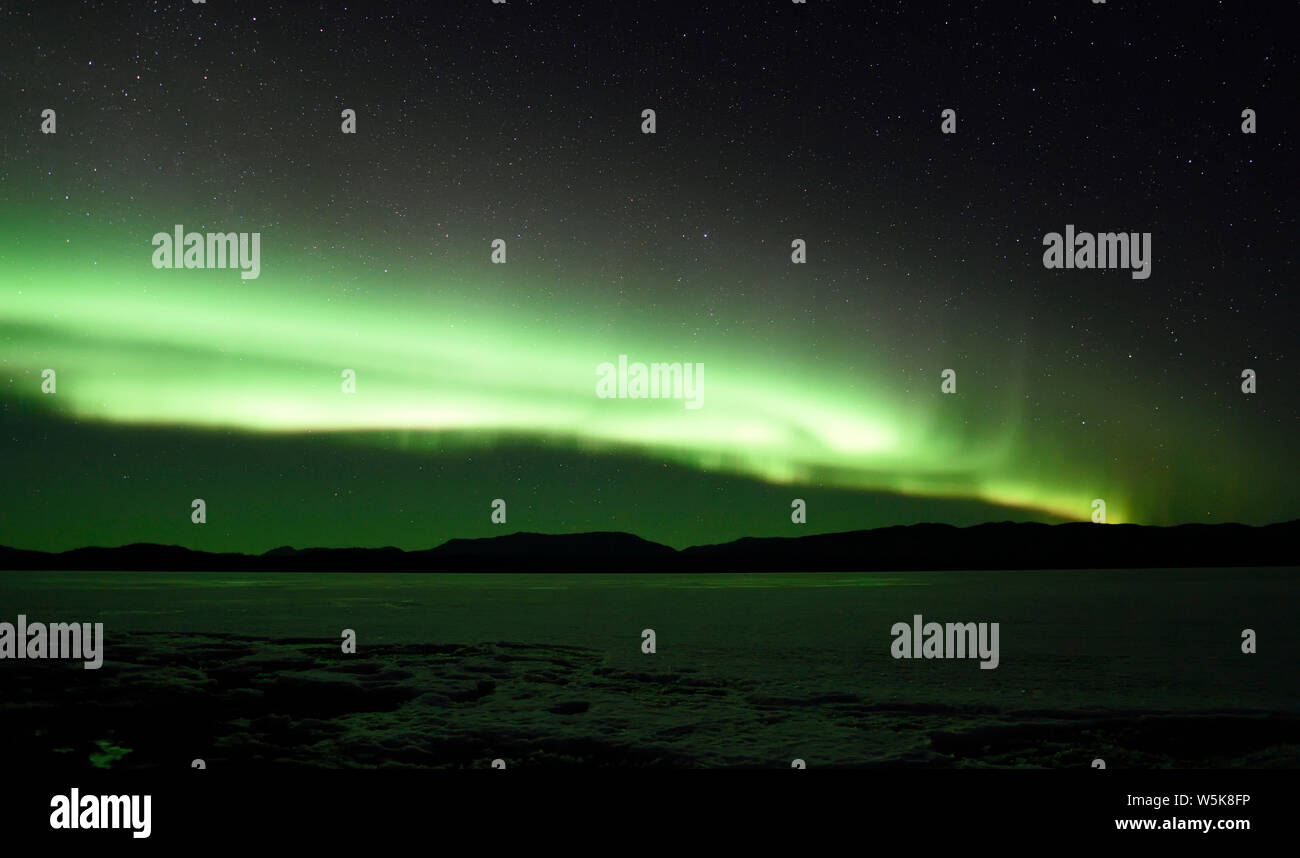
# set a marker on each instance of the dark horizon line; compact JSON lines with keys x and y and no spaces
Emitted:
{"x":1005,"y":544}
{"x":578,"y":533}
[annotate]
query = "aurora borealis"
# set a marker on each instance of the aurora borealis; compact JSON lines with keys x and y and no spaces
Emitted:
{"x":476,"y":381}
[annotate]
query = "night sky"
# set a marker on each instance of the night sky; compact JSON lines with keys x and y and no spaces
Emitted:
{"x":523,"y":121}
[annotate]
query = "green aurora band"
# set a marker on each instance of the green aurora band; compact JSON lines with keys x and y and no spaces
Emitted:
{"x":203,"y":348}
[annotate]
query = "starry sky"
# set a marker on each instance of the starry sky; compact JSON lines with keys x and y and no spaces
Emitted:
{"x":523,"y":121}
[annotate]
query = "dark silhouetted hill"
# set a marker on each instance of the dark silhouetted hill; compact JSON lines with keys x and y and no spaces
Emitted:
{"x":1011,"y":545}
{"x":1005,"y":545}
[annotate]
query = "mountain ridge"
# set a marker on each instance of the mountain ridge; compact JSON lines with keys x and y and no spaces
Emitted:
{"x":991,"y":545}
